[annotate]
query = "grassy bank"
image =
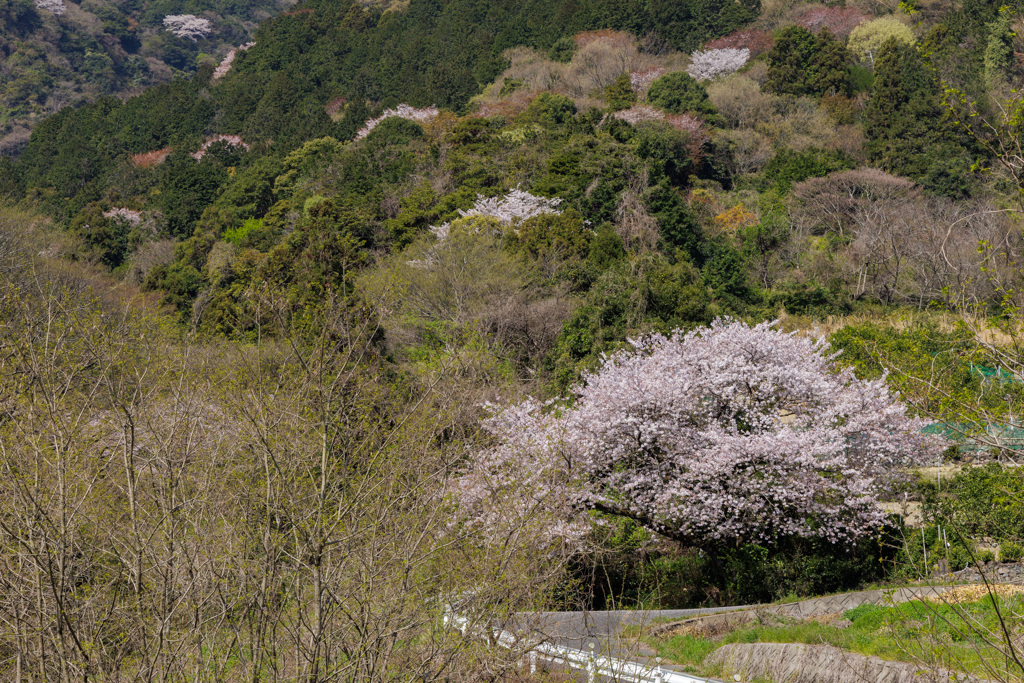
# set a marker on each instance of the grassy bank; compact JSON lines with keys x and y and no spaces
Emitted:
{"x":969,"y":636}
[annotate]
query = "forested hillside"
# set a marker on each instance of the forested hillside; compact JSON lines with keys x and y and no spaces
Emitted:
{"x":384,"y":216}
{"x":815,"y":172}
{"x":55,"y":54}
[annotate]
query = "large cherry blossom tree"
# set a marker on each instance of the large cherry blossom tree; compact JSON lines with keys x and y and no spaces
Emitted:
{"x":726,"y":434}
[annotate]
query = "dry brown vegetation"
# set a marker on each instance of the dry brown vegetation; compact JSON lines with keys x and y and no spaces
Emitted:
{"x":148,"y":159}
{"x":174,"y":509}
{"x":757,"y":123}
{"x":600,"y":58}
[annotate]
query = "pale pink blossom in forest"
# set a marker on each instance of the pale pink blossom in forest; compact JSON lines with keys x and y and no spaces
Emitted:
{"x":758,"y":42}
{"x":55,"y":6}
{"x":188,"y":26}
{"x":514,"y":207}
{"x":510,"y":209}
{"x":225,"y":66}
{"x":698,"y":130}
{"x":402,"y":111}
{"x":641,"y":80}
{"x":839,"y":21}
{"x":710,"y":64}
{"x":726,"y":434}
{"x":639,"y":113}
{"x":124,"y":214}
{"x":232,"y":140}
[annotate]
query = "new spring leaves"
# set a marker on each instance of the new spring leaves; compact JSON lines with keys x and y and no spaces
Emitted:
{"x":726,"y":434}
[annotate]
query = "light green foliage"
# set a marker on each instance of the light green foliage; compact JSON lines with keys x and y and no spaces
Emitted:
{"x":866,"y":40}
{"x":985,"y":502}
{"x":548,"y":110}
{"x":419,"y":210}
{"x":1010,"y":551}
{"x":521,"y":134}
{"x":619,"y":95}
{"x":999,"y":49}
{"x":951,"y":390}
{"x":238,"y":235}
{"x":311,"y":202}
{"x":304,"y":163}
{"x":251,"y":191}
{"x":555,"y":238}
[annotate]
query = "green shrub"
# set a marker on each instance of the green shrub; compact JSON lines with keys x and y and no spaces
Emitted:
{"x":1010,"y":551}
{"x":866,"y":617}
{"x":619,"y":94}
{"x":549,"y":110}
{"x":678,"y":92}
{"x":562,"y":50}
{"x":510,"y":86}
{"x":984,"y":555}
{"x":394,"y":130}
{"x":788,"y":166}
{"x":802,"y":63}
{"x":958,"y":557}
{"x":986,"y":501}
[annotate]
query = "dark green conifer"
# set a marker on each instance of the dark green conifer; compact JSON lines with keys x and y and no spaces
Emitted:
{"x":802,"y":63}
{"x":907,"y":128}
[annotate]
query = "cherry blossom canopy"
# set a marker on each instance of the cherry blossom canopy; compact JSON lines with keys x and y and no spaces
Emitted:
{"x":730,"y":433}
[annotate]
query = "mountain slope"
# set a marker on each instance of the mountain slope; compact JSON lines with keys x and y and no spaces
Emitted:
{"x":55,"y":53}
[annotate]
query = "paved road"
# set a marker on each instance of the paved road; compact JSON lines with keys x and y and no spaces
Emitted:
{"x":579,"y":629}
{"x":603,"y":630}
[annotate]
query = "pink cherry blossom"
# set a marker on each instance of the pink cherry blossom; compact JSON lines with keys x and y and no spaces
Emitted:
{"x":402,"y":111}
{"x":725,"y":434}
{"x":125,"y":214}
{"x":232,"y":140}
{"x":225,"y":66}
{"x":641,"y":80}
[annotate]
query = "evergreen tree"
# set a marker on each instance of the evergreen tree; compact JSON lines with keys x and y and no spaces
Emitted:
{"x":999,"y":51}
{"x":678,"y":92}
{"x":619,"y":94}
{"x":802,"y":63}
{"x":907,"y":128}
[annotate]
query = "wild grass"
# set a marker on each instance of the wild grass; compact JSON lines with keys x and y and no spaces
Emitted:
{"x":967,"y":637}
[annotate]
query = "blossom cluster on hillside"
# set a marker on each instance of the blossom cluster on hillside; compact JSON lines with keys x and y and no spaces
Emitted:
{"x":708,"y":65}
{"x":188,"y":26}
{"x":403,"y":111}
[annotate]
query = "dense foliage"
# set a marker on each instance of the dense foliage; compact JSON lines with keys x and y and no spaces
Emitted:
{"x":509,"y":190}
{"x":54,"y":54}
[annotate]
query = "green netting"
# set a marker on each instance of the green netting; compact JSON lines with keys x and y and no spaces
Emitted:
{"x":978,"y":437}
{"x":993,"y":374}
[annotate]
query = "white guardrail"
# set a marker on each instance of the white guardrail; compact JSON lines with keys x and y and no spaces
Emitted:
{"x":621,"y":670}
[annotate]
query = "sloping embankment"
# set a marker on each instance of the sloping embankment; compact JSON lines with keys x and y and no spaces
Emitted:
{"x":796,"y":663}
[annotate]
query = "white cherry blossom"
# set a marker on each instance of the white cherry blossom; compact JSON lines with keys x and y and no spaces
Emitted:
{"x":711,"y":64}
{"x":725,"y":434}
